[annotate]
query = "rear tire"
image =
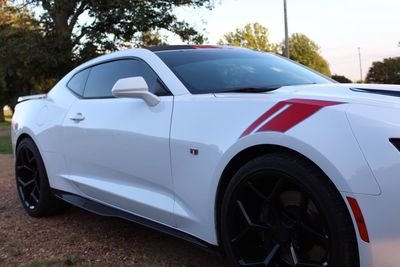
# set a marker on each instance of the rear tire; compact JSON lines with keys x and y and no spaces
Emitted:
{"x":281,"y":210}
{"x":32,"y":183}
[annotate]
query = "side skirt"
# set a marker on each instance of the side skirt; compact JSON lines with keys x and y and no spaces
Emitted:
{"x":104,"y":210}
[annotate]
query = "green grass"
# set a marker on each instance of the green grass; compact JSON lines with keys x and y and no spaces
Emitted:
{"x":5,"y":145}
{"x":5,"y":126}
{"x":5,"y":141}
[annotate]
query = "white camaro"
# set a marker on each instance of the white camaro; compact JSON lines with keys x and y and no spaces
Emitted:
{"x":226,"y":148}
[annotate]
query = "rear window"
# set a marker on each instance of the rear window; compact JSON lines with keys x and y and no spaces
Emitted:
{"x":217,"y":70}
{"x":78,"y":81}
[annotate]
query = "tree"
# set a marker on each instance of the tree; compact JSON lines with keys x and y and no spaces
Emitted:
{"x":23,"y":60}
{"x":302,"y":48}
{"x":307,"y":52}
{"x":386,"y":71}
{"x":253,"y":35}
{"x":341,"y":78}
{"x":109,"y":24}
{"x":150,"y":38}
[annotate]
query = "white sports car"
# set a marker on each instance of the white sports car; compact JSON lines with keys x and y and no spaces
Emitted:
{"x":231,"y":149}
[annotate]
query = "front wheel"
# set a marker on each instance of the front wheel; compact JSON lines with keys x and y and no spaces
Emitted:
{"x":279,"y":210}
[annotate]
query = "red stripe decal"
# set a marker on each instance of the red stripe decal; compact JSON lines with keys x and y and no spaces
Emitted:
{"x":298,"y":111}
{"x":263,"y":117}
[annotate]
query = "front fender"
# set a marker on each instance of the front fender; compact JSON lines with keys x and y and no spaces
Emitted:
{"x":325,"y":138}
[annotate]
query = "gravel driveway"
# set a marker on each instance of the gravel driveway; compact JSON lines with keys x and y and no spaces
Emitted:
{"x":79,"y":238}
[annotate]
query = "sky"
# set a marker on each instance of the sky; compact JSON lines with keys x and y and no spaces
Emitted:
{"x":339,"y":27}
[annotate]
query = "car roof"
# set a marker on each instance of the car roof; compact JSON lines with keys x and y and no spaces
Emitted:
{"x":162,"y":48}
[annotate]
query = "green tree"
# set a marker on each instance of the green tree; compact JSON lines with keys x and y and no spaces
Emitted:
{"x":150,"y":38}
{"x":386,"y":71}
{"x":302,"y":48}
{"x":307,"y":52}
{"x":23,"y":60}
{"x":108,"y":25}
{"x":253,"y":35}
{"x":341,"y":78}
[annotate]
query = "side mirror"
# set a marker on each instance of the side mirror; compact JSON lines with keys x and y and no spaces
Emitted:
{"x":134,"y":87}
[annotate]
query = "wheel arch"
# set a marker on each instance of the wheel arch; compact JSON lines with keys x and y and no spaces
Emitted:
{"x":242,"y":158}
{"x":21,"y":137}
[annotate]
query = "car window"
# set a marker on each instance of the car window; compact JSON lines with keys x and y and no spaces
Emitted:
{"x":77,"y":82}
{"x":205,"y":71}
{"x":103,"y":77}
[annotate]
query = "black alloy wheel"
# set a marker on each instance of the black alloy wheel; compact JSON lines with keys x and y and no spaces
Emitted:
{"x":28,"y":179}
{"x":272,"y":216}
{"x":32,"y":182}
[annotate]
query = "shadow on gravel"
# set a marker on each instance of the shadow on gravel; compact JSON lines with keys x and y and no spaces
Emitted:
{"x":80,"y":238}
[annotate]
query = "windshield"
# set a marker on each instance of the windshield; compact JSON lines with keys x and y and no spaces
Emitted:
{"x":205,"y":71}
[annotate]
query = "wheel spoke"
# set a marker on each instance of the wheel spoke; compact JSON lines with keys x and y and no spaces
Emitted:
{"x":244,"y":212}
{"x":21,"y":193}
{"x":25,"y":184}
{"x":276,"y":189}
{"x":34,"y":197}
{"x":26,"y":159}
{"x":294,"y":255}
{"x":256,"y":191}
{"x":25,"y":167}
{"x":248,"y":220}
{"x":304,"y":264}
{"x":240,"y":235}
{"x":323,"y":239}
{"x":271,"y":255}
{"x":244,"y":263}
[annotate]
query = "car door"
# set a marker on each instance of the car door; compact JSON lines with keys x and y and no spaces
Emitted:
{"x":116,"y":149}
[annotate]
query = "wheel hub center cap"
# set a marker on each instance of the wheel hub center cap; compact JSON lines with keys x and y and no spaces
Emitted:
{"x":282,"y":235}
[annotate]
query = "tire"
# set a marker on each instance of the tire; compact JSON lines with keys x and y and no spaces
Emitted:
{"x":32,"y":182}
{"x":281,"y":210}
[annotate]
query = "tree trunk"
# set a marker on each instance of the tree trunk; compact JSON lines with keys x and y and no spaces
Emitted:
{"x":1,"y":112}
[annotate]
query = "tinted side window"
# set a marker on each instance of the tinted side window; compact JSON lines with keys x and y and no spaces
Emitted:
{"x":77,"y":82}
{"x":103,"y":77}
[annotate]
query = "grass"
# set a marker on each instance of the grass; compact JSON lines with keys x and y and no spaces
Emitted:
{"x":5,"y":145}
{"x":5,"y":141}
{"x":4,"y":126}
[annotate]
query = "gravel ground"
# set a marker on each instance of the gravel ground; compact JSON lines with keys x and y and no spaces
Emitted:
{"x":79,"y":238}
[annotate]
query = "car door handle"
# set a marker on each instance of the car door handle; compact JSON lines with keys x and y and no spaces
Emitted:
{"x":77,"y":117}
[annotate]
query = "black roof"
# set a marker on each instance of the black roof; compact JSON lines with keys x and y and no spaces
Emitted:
{"x":182,"y":47}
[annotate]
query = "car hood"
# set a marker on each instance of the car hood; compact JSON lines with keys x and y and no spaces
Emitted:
{"x":371,"y":94}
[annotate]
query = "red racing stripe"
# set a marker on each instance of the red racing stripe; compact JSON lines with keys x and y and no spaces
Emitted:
{"x":298,"y":111}
{"x":262,"y":118}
